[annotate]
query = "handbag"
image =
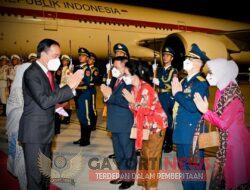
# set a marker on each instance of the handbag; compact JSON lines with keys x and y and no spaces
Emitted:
{"x":209,"y":139}
{"x":133,"y":133}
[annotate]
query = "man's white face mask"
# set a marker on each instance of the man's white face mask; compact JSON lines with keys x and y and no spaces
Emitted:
{"x":115,"y":72}
{"x":127,"y":80}
{"x":54,"y":64}
{"x":211,"y":79}
{"x":187,"y":65}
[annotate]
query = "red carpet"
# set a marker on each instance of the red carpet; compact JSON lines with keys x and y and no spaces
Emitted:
{"x":7,"y":181}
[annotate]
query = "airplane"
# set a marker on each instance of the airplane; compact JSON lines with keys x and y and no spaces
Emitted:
{"x":75,"y":23}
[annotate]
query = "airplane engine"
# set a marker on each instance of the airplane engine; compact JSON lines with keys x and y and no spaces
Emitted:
{"x":181,"y":43}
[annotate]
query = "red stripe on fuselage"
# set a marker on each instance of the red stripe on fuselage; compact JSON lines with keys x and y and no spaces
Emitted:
{"x":105,"y":20}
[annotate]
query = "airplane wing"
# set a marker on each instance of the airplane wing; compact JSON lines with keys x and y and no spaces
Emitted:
{"x":241,"y":38}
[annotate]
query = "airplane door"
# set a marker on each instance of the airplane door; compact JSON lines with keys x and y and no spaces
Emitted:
{"x":182,"y":26}
{"x":50,"y":20}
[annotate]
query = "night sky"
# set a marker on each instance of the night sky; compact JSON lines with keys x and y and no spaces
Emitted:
{"x":237,"y":10}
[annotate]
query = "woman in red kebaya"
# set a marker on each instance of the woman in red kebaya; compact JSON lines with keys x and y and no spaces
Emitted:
{"x":148,"y":114}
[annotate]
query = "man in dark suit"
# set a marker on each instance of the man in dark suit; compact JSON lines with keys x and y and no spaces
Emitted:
{"x":119,"y":122}
{"x":41,"y":93}
{"x":120,"y":50}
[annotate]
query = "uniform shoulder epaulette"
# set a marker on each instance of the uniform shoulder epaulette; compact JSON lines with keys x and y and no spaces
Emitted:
{"x":200,"y":78}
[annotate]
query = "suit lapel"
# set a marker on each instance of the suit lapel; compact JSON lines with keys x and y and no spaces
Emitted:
{"x":55,"y":84}
{"x":121,"y":85}
{"x":39,"y":69}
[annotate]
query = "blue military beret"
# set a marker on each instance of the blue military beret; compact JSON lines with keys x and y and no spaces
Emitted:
{"x":196,"y":53}
{"x":121,"y":47}
{"x":168,"y":50}
{"x":83,"y":51}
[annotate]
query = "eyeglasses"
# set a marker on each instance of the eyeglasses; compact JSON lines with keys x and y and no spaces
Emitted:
{"x":191,"y":58}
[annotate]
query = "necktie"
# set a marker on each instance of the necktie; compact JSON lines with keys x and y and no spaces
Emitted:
{"x":117,"y":83}
{"x":49,"y":74}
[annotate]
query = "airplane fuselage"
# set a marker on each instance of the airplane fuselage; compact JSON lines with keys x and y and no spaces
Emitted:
{"x":88,"y":23}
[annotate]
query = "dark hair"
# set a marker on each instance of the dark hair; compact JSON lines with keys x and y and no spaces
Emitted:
{"x":120,"y":58}
{"x":44,"y":45}
{"x":141,"y":69}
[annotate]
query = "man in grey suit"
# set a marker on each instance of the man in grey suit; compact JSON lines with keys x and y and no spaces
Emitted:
{"x":119,"y":122}
{"x":41,"y":93}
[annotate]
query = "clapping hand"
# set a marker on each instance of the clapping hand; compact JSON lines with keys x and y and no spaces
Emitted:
{"x":201,"y":104}
{"x":176,"y":86}
{"x":128,"y":96}
{"x":73,"y":80}
{"x":106,"y":90}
